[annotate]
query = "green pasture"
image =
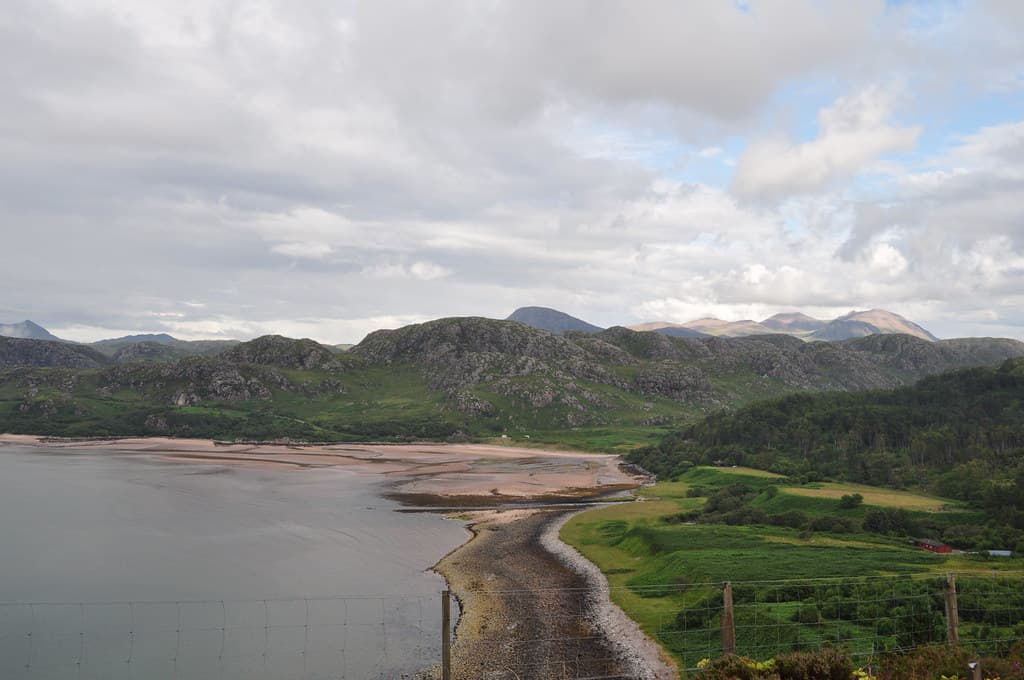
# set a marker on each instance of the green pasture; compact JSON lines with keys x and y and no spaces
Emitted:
{"x":658,"y":564}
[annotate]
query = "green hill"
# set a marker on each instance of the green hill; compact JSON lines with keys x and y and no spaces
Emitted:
{"x":447,"y":378}
{"x":958,"y":435}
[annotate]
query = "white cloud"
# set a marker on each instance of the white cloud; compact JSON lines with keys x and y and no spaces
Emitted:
{"x":852,"y":132}
{"x":306,"y":249}
{"x":428,"y":271}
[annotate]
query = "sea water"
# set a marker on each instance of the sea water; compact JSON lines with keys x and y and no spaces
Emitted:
{"x":122,"y":565}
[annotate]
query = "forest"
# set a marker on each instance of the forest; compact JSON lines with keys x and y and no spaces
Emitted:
{"x":959,"y":435}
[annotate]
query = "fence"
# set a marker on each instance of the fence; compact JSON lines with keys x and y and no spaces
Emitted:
{"x":505,"y":635}
{"x":361,"y":637}
{"x":866,"y":616}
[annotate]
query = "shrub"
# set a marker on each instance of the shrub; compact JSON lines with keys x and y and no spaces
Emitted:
{"x":794,"y":519}
{"x":826,"y":664}
{"x":807,"y":613}
{"x":851,"y":501}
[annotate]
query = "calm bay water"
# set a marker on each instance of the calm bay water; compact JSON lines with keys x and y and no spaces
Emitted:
{"x":116,"y":565}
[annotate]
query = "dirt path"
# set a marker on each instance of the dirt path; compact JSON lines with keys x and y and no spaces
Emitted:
{"x":524,"y":613}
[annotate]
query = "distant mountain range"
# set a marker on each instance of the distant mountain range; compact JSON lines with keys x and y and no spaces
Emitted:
{"x":852,"y":325}
{"x":145,"y":347}
{"x":445,"y":378}
{"x":164,"y":347}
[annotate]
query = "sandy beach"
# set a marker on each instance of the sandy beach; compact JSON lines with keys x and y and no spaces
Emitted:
{"x":425,"y":473}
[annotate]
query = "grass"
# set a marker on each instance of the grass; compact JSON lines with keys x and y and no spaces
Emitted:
{"x":591,"y":439}
{"x":875,"y":496}
{"x":656,"y":567}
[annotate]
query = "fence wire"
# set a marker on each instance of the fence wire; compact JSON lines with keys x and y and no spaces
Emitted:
{"x":538,"y":634}
{"x":864,"y":616}
{"x":363,"y":637}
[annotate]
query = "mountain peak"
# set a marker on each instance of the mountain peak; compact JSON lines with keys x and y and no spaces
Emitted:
{"x":551,"y":320}
{"x":27,"y":329}
{"x":790,"y":322}
{"x":870,"y":322}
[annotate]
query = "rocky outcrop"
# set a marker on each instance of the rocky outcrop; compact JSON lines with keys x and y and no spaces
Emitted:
{"x":194,"y":380}
{"x":913,"y":357}
{"x":275,"y":350}
{"x":48,"y":354}
{"x":682,"y":383}
{"x":655,"y":346}
{"x":466,"y":351}
{"x":145,"y":351}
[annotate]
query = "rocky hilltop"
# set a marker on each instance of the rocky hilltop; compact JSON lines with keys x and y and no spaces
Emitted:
{"x":437,"y":379}
{"x":46,"y":353}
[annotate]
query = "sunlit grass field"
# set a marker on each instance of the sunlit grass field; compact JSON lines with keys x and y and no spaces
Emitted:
{"x":874,"y":496}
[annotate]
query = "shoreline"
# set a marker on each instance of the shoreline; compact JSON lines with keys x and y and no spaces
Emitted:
{"x":417,"y":474}
{"x":645,"y":657}
{"x":533,"y":607}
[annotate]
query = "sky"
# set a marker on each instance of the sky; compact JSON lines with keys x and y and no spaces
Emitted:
{"x":227,"y":169}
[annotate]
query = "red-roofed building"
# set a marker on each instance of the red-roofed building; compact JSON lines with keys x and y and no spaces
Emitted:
{"x":933,"y":546}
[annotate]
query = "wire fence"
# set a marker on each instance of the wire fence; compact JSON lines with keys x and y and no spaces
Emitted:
{"x":504,"y":635}
{"x":864,"y":616}
{"x":352,"y":637}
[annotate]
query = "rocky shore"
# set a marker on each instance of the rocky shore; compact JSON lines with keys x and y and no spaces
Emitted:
{"x":643,"y":657}
{"x":531,"y":609}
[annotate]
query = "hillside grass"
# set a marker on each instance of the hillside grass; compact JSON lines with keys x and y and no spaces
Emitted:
{"x":873,"y":495}
{"x":657,"y":566}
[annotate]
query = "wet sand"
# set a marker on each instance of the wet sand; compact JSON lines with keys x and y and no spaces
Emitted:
{"x":478,"y":474}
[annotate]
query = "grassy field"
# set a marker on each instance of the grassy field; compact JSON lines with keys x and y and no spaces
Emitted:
{"x":659,"y":566}
{"x":875,"y":496}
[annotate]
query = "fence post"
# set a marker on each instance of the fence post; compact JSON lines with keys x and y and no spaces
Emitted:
{"x":728,"y":624}
{"x":446,"y":635}
{"x":952,"y":611}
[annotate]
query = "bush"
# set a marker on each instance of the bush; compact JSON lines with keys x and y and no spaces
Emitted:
{"x":851,"y":501}
{"x":837,"y":525}
{"x":807,"y":613}
{"x":826,"y":664}
{"x":794,"y":519}
{"x":932,"y":662}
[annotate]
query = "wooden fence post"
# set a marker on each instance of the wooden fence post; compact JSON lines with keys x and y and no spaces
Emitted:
{"x":728,"y":621}
{"x":446,"y":635}
{"x":952,"y":611}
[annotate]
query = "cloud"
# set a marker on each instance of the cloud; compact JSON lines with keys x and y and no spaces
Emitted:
{"x":852,"y":132}
{"x":307,"y":249}
{"x":240,"y":167}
